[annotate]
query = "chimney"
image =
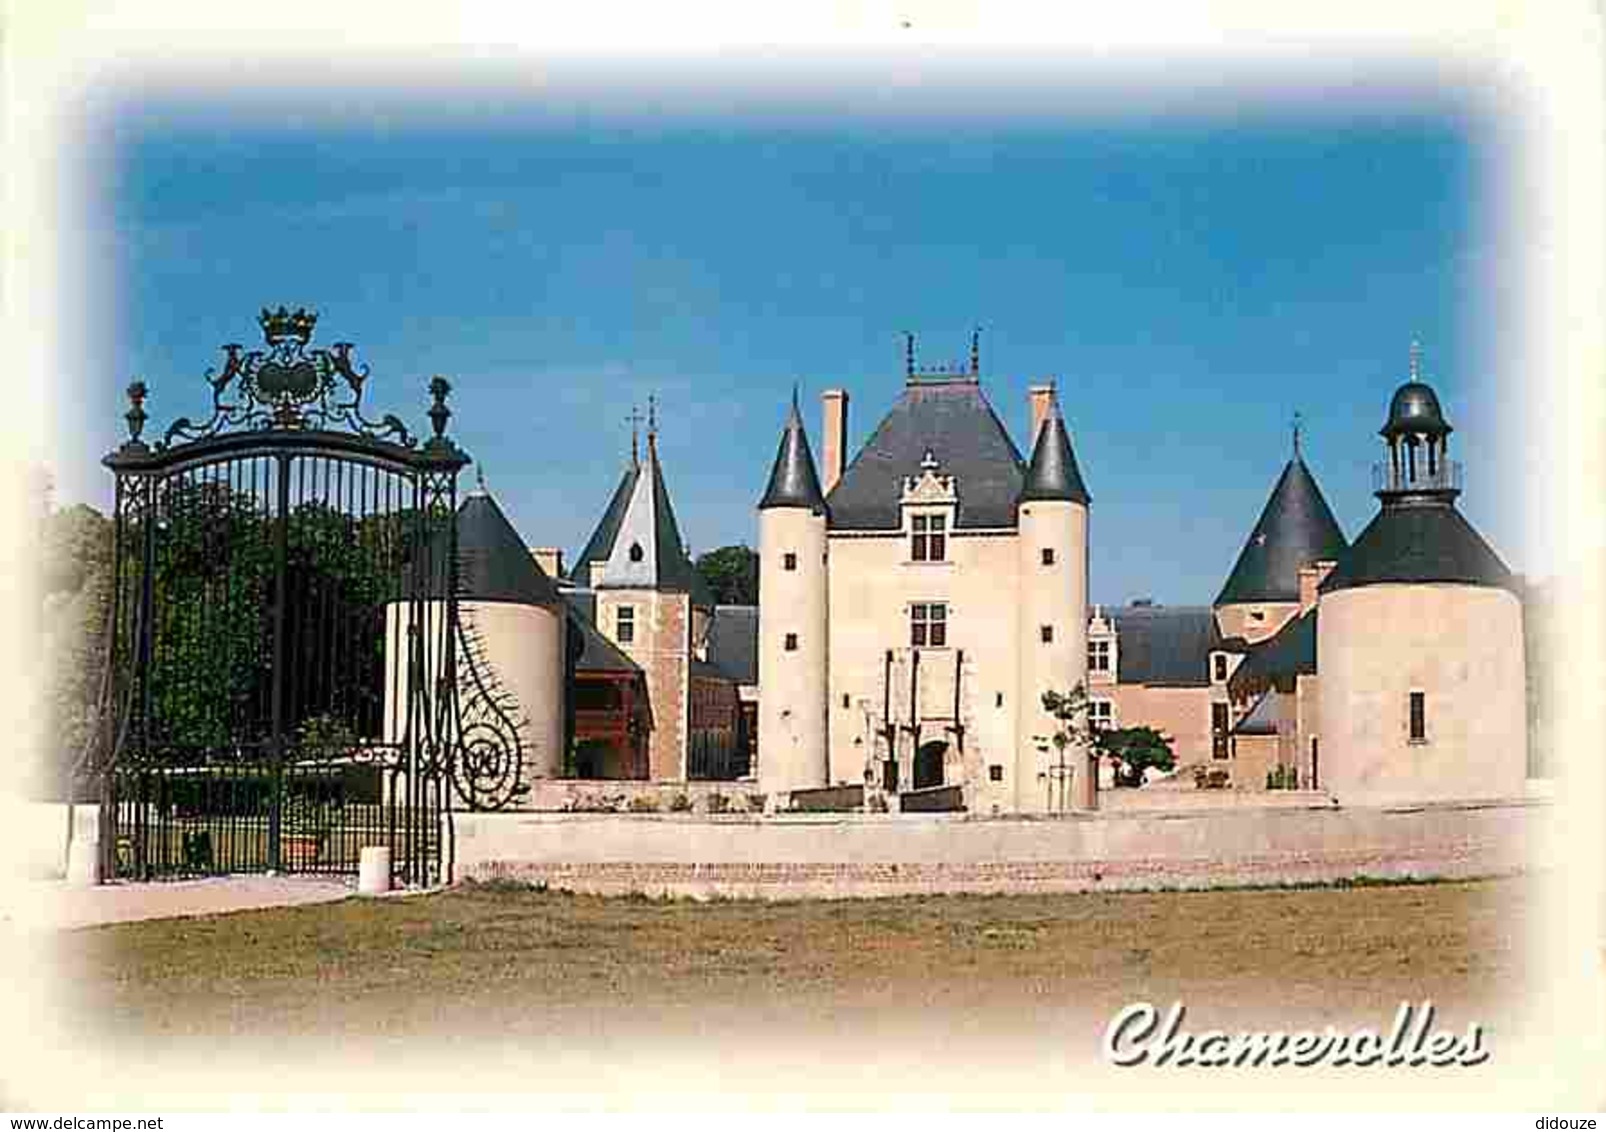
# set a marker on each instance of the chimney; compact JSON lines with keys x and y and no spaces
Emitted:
{"x":1309,"y":578}
{"x":834,"y":405}
{"x":550,"y":559}
{"x":1041,"y":399}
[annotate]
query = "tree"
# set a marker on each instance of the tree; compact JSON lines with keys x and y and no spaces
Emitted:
{"x":1137,"y":748}
{"x":1074,"y":731}
{"x":731,"y":573}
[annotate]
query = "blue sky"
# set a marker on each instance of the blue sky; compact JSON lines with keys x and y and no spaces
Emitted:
{"x":1189,"y":284}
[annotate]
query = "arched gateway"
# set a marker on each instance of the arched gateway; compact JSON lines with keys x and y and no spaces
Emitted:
{"x":284,"y":602}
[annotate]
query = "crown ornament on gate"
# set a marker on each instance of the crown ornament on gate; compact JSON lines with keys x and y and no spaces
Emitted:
{"x":289,"y":384}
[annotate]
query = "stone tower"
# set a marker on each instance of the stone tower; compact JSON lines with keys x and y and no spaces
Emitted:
{"x":650,"y":601}
{"x":793,"y":648}
{"x":1419,"y":644}
{"x":1052,"y":565}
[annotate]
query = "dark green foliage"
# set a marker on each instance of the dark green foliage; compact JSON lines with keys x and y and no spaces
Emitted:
{"x":1138,"y":748}
{"x":731,"y":573}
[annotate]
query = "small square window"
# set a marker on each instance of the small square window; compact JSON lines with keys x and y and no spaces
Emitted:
{"x":1098,"y":656}
{"x":625,"y":624}
{"x":1220,"y":667}
{"x":928,"y":625}
{"x":1047,"y":632}
{"x":995,"y":773}
{"x":1419,"y":717}
{"x":791,"y":642}
{"x":1257,"y":615}
{"x":999,"y":700}
{"x":844,"y":699}
{"x":789,"y":561}
{"x":928,"y":539}
{"x":1048,"y":556}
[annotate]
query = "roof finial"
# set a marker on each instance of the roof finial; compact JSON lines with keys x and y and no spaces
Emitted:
{"x":909,"y":354}
{"x":1298,"y":426}
{"x":975,"y":352}
{"x":794,"y":396}
{"x":1416,"y":360}
{"x":652,"y":423}
{"x":479,"y":477}
{"x":635,"y":425}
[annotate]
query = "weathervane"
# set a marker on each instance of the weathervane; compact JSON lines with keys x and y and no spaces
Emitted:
{"x":1416,"y":360}
{"x":1299,"y":421}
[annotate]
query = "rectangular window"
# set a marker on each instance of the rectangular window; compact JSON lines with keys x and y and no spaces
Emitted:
{"x":1101,"y":713}
{"x":844,"y":699}
{"x":1048,"y":556}
{"x":789,"y":561}
{"x":1419,"y":717}
{"x":791,"y":642}
{"x":1047,"y":633}
{"x":995,"y":773}
{"x":928,"y":625}
{"x":928,"y":538}
{"x":1219,"y":664}
{"x":625,"y":624}
{"x":1218,"y":730}
{"x":1098,"y":656}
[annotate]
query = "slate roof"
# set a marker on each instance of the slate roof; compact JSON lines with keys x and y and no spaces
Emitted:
{"x":1419,"y":541}
{"x":640,"y":514}
{"x":1288,"y":653}
{"x":733,"y":642}
{"x":598,"y":653}
{"x":1167,"y":645}
{"x":1053,"y":473}
{"x":1295,"y":529}
{"x":1263,"y":717}
{"x":955,"y":422}
{"x":1415,"y":408}
{"x":794,"y":481}
{"x":493,"y":563}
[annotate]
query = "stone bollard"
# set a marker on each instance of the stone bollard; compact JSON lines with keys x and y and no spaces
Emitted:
{"x":373,"y":871}
{"x":83,"y":862}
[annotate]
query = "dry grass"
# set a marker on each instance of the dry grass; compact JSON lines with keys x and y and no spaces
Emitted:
{"x":519,"y":962}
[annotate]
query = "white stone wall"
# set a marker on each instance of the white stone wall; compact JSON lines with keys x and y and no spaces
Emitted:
{"x":880,"y":855}
{"x":1459,"y":645}
{"x":872,"y":585}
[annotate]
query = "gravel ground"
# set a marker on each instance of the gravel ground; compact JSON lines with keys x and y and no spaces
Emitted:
{"x":58,"y":905}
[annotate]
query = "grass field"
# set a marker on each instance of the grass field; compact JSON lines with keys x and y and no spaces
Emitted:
{"x":485,"y":960}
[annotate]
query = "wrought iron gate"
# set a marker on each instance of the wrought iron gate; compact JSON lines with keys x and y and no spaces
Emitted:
{"x":284,"y":627}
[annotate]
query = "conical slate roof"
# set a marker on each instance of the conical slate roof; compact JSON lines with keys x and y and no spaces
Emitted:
{"x":638,"y":540}
{"x":1426,"y":541}
{"x":493,"y":564}
{"x":1296,"y":529}
{"x":1053,"y":473}
{"x":794,"y":482}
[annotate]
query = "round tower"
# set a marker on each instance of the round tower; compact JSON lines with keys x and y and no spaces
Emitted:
{"x":792,"y":625}
{"x":1051,"y":517}
{"x":1419,"y":645}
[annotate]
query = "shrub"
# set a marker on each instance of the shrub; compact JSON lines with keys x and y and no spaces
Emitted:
{"x":718,"y":803}
{"x":644,"y":804}
{"x":680,"y":803}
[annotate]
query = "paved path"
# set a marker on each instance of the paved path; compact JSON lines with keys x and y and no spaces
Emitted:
{"x":56,"y":904}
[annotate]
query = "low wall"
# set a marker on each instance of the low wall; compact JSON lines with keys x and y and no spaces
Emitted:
{"x":838,"y":855}
{"x":1188,"y":799}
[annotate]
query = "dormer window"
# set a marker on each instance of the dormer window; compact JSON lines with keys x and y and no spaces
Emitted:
{"x":1218,"y":667}
{"x":928,"y":538}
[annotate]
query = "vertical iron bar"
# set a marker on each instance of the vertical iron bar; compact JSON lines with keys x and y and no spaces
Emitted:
{"x":276,"y":737}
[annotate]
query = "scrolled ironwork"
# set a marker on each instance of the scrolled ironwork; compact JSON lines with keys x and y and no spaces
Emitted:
{"x":287,"y":385}
{"x":488,"y":767}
